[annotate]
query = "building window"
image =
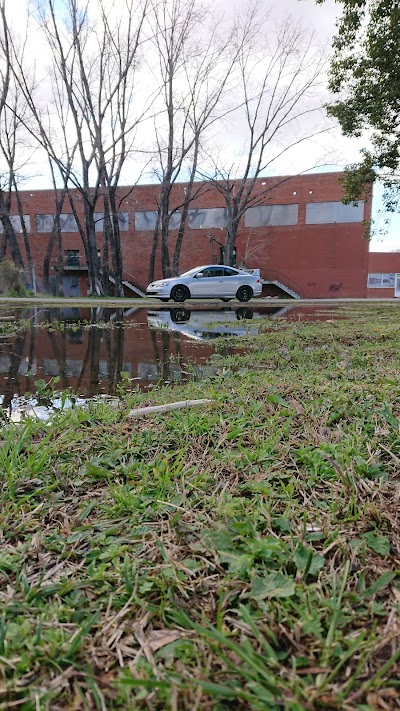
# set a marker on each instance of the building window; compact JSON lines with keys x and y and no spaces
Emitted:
{"x":198,"y":219}
{"x":207,"y":218}
{"x":381,"y":281}
{"x":72,"y":257}
{"x":123,"y":221}
{"x":17,"y":223}
{"x":147,"y":220}
{"x":44,"y":223}
{"x":323,"y":213}
{"x":272,"y":215}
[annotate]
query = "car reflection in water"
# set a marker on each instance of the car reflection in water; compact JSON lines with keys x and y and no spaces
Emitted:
{"x":199,"y":325}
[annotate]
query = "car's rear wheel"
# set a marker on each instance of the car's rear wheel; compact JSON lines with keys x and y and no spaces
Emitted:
{"x":180,"y":293}
{"x":244,"y":293}
{"x":244,"y":312}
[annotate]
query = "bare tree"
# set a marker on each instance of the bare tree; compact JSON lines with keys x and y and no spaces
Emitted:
{"x":88,"y":129}
{"x":280,"y":75}
{"x":16,"y":152}
{"x":5,"y":196}
{"x":121,"y":45}
{"x":195,"y":77}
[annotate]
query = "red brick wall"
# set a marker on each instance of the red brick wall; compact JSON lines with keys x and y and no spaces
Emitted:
{"x":328,"y":260}
{"x":383,"y":263}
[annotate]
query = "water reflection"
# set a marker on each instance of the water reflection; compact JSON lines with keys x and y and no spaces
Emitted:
{"x":205,"y":325}
{"x":89,"y":351}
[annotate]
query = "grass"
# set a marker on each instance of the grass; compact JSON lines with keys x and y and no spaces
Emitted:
{"x":241,"y":556}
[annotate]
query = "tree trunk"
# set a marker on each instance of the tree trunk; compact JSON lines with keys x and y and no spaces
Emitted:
{"x":95,"y":285}
{"x":164,"y":219}
{"x":55,"y":232}
{"x":25,"y":234}
{"x":116,"y":253}
{"x":230,"y":245}
{"x":60,"y":261}
{"x":9,"y":233}
{"x":153,"y":253}
{"x":107,"y":241}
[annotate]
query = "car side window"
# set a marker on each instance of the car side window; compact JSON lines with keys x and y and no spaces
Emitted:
{"x":212,"y":272}
{"x":229,"y":272}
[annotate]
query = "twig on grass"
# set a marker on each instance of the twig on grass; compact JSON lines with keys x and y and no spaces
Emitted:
{"x":140,"y":411}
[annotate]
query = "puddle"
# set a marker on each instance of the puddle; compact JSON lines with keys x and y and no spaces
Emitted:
{"x":90,"y":351}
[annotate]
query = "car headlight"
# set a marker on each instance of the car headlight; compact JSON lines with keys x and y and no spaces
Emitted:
{"x":159,"y":283}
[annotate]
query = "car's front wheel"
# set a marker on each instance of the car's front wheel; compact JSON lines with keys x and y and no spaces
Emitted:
{"x":180,"y":293}
{"x":180,"y":315}
{"x":244,"y":293}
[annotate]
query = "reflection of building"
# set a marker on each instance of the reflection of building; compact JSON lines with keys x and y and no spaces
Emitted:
{"x":303,"y":238}
{"x":94,"y":363}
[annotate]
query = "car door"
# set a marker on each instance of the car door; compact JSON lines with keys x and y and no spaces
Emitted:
{"x":209,"y":284}
{"x":232,"y":281}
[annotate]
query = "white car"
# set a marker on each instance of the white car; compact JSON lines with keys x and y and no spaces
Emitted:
{"x":211,"y":281}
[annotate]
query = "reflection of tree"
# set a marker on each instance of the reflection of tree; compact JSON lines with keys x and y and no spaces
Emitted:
{"x":31,"y":355}
{"x":11,"y":383}
{"x":60,"y":354}
{"x":164,"y":360}
{"x":154,"y":344}
{"x":161,"y":357}
{"x":114,"y":342}
{"x":56,"y":344}
{"x":94,"y":345}
{"x":179,"y":355}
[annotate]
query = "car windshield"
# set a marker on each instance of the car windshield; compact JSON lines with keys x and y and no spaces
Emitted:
{"x":191,"y":272}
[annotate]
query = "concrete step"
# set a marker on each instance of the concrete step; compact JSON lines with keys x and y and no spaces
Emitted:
{"x":129,"y":285}
{"x":282,"y":286}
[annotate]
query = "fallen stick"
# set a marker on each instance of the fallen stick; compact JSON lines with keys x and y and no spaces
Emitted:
{"x":169,"y":406}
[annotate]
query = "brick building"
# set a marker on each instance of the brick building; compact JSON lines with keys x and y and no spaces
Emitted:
{"x":301,"y":236}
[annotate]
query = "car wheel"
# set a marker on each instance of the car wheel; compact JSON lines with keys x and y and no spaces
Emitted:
{"x":180,"y":315}
{"x":244,"y":293}
{"x":180,"y":293}
{"x":164,"y":300}
{"x":244,"y":313}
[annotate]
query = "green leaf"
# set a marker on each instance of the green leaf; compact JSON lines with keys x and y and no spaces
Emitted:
{"x":382,"y":582}
{"x":390,"y":418}
{"x":239,"y":563}
{"x":220,"y":540}
{"x":272,"y":585}
{"x":306,"y":561}
{"x":277,"y":399}
{"x":379,"y":544}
